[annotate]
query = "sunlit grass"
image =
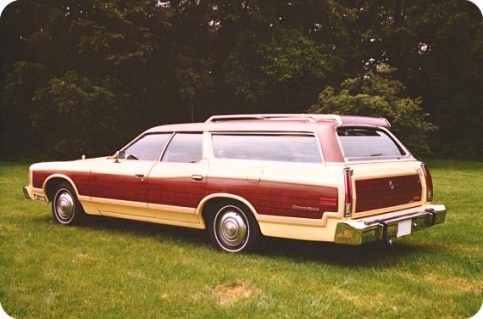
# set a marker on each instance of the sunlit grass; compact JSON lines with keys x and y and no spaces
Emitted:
{"x":121,"y":269}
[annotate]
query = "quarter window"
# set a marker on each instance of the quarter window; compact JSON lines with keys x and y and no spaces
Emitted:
{"x":267,"y":147}
{"x":184,"y":148}
{"x":147,"y":148}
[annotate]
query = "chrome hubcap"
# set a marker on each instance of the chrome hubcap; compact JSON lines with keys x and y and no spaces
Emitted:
{"x":232,"y":229}
{"x":64,"y":205}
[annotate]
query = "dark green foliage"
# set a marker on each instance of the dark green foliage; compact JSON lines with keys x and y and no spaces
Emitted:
{"x":72,"y":106}
{"x":85,"y":76}
{"x":436,"y":47}
{"x":376,"y":94}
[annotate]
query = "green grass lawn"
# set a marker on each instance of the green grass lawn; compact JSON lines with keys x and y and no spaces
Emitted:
{"x":122,"y":269}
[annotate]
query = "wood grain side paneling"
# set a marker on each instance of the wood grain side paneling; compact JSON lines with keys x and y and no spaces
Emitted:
{"x":268,"y":198}
{"x":80,"y":179}
{"x":378,"y":193}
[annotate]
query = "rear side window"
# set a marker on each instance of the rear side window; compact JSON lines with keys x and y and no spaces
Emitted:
{"x":359,"y":142}
{"x":283,"y":148}
{"x":184,"y":148}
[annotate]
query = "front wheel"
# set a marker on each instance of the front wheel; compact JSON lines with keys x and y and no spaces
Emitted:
{"x":66,"y":207}
{"x":233,"y":229}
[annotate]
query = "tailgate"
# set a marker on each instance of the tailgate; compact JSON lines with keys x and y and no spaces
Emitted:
{"x":382,"y":187}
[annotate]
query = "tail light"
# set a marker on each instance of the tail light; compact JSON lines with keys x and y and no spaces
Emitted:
{"x":348,"y":192}
{"x":429,"y":182}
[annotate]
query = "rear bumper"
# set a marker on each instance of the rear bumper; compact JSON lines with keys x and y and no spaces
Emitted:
{"x":360,"y":231}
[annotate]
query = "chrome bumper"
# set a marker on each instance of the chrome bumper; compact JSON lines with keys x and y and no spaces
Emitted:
{"x":360,"y":231}
{"x":26,"y":192}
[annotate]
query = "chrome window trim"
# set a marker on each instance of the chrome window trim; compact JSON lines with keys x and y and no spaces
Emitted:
{"x":165,"y":147}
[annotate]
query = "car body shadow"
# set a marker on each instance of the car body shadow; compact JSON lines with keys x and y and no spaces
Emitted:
{"x":368,"y":255}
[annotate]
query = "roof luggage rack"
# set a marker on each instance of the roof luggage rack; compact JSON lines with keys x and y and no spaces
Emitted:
{"x":251,"y":117}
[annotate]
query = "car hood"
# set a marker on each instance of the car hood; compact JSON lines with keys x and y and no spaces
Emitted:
{"x":76,"y":165}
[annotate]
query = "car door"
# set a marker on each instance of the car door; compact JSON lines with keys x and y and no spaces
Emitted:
{"x":177,"y":183}
{"x":119,"y":185}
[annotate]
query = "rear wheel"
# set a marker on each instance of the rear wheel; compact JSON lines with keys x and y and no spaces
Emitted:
{"x":233,"y":228}
{"x":65,"y":206}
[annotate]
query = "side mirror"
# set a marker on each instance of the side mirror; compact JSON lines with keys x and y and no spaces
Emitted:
{"x":119,"y":155}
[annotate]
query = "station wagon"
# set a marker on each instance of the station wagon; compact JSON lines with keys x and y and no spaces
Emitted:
{"x":342,"y":179}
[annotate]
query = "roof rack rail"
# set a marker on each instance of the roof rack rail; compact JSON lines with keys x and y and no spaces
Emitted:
{"x":326,"y":117}
{"x":244,"y":117}
{"x":241,"y":117}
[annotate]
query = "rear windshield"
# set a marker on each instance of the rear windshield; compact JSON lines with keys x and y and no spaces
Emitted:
{"x":368,"y":143}
{"x":282,"y":148}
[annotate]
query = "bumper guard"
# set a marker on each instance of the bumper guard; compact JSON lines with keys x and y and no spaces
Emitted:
{"x":357,"y":232}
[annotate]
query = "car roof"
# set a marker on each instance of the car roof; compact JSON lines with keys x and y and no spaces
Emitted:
{"x":271,"y":122}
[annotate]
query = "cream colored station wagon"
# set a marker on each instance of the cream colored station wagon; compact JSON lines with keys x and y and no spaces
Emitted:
{"x":342,"y":179}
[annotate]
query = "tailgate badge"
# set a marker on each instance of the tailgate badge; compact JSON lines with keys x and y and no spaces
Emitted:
{"x":391,"y":184}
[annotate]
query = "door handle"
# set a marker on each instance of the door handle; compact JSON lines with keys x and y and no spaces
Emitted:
{"x":139,"y":175}
{"x":197,"y":177}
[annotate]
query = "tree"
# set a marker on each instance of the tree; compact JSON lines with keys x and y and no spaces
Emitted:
{"x":436,"y":47}
{"x":148,"y":62}
{"x":284,"y":74}
{"x":376,"y":94}
{"x":93,"y":69}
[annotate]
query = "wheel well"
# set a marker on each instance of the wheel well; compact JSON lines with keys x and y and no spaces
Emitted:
{"x":52,"y":185}
{"x":208,"y":208}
